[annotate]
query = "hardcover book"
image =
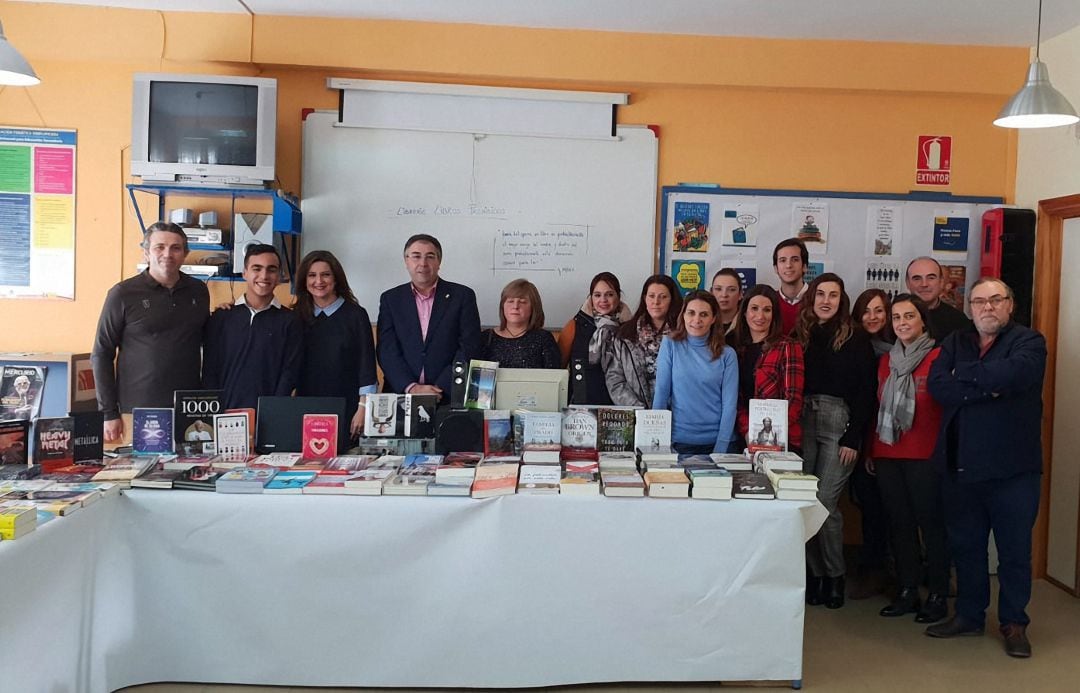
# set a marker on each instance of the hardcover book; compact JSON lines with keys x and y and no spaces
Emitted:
{"x":615,"y":429}
{"x":498,"y":432}
{"x":768,"y":425}
{"x":420,"y":415}
{"x":652,"y":428}
{"x":232,"y":435}
{"x":751,"y":485}
{"x":542,"y":437}
{"x":89,"y":436}
{"x":480,"y":389}
{"x":21,"y":389}
{"x":151,"y":430}
{"x":193,"y":419}
{"x":54,"y":444}
{"x":320,"y":436}
{"x":15,"y":442}
{"x":579,"y":428}
{"x":380,"y":415}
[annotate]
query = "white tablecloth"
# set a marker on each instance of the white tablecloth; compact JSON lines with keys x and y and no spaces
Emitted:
{"x":346,"y":591}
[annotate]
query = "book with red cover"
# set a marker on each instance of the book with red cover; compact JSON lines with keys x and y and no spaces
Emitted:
{"x":319,"y":440}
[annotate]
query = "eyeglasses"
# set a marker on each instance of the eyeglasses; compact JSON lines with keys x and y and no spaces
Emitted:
{"x":993,"y":302}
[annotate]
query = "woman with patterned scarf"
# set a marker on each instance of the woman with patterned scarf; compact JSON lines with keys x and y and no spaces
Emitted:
{"x":627,"y":353}
{"x":907,"y":429}
{"x":579,"y":338}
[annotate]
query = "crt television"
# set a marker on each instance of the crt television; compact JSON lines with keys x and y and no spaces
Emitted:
{"x":203,"y":129}
{"x":535,"y":389}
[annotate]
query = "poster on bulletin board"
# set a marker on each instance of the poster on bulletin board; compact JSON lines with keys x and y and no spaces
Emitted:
{"x":37,"y":213}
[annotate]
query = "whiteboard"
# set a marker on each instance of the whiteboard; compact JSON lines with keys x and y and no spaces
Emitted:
{"x":866,"y":238}
{"x":554,"y":211}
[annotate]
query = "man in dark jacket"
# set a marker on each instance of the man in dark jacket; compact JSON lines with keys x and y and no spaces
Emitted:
{"x":989,"y":381}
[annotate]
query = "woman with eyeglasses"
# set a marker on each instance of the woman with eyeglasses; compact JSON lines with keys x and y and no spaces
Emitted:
{"x":838,"y":405}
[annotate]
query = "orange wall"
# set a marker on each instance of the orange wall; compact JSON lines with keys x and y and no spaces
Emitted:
{"x":744,"y":113}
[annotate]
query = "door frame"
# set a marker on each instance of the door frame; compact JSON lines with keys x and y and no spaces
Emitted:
{"x":1045,"y":310}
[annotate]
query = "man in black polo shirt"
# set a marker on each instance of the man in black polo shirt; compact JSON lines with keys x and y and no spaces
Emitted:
{"x":254,"y":348}
{"x":155,"y":320}
{"x":926,"y":279}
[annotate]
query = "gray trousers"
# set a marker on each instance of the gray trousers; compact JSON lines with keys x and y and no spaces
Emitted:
{"x":825,"y":419}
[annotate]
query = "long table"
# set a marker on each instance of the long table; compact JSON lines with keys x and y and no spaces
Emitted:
{"x":411,"y":592}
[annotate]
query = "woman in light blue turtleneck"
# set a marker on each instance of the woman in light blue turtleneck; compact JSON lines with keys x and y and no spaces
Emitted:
{"x":697,"y":377}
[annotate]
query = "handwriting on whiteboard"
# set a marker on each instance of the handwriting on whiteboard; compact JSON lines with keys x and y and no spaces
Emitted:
{"x":450,"y":210}
{"x":554,"y":248}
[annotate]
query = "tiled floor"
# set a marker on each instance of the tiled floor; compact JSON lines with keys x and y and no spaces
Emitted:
{"x":853,"y":650}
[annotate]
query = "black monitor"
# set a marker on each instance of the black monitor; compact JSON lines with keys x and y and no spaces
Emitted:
{"x":280,"y":420}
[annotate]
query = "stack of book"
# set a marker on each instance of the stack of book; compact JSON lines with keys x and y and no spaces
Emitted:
{"x":711,"y":484}
{"x":454,"y":477}
{"x":17,"y":519}
{"x":777,"y":462}
{"x":793,"y":485}
{"x":622,"y":483}
{"x":667,"y":483}
{"x":413,"y":477}
{"x":540,"y":478}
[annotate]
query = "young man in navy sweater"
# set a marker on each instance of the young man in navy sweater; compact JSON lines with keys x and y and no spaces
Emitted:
{"x":255,"y":348}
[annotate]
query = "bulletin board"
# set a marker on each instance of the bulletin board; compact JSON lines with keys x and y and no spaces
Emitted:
{"x":866,"y":238}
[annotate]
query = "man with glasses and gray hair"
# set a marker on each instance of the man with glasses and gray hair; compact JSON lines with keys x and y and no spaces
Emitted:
{"x":989,"y":380}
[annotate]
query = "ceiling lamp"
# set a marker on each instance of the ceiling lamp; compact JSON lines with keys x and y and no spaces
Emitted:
{"x":14,"y":69}
{"x":1037,"y":104}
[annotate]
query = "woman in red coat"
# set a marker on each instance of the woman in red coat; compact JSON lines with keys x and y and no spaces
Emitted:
{"x":907,"y":429}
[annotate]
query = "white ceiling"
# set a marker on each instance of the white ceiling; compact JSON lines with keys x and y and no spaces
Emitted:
{"x":969,"y":22}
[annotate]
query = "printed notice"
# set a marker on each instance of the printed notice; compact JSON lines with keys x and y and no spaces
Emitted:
{"x":951,"y":234}
{"x":691,"y":231}
{"x":883,"y":224}
{"x":688,"y":274}
{"x":738,"y":228}
{"x":810,"y":224}
{"x":37,"y":213}
{"x":885,"y":276}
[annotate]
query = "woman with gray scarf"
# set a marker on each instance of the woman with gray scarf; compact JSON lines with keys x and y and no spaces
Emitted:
{"x":907,"y":428}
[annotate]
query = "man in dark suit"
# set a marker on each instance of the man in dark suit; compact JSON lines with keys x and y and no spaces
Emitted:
{"x":989,"y":380}
{"x":425,"y":325}
{"x":926,"y":279}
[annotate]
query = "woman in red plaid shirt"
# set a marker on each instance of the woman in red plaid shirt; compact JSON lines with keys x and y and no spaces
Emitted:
{"x":770,"y":363}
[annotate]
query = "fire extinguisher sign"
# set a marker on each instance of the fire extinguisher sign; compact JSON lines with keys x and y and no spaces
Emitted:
{"x":934,"y":160}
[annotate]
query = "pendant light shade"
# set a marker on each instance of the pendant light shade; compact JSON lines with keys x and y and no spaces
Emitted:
{"x":14,"y":70}
{"x":1037,"y":104}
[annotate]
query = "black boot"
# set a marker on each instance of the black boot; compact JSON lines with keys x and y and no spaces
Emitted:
{"x":815,"y":589}
{"x":834,"y":598}
{"x":905,"y":602}
{"x":934,"y":609}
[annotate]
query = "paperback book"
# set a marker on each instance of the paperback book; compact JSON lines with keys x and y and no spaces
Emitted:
{"x":768,"y":425}
{"x":751,"y":485}
{"x":320,"y":434}
{"x":89,"y":436}
{"x":244,"y":480}
{"x":498,"y":432}
{"x":580,"y":483}
{"x":667,"y":484}
{"x":542,"y":437}
{"x":579,"y":430}
{"x":289,"y":481}
{"x":54,"y":444}
{"x":193,"y":418}
{"x":615,"y":429}
{"x":652,"y":428}
{"x":151,"y":430}
{"x":15,"y":443}
{"x":420,"y":415}
{"x":201,"y":478}
{"x":539,"y":478}
{"x":231,"y":435}
{"x":480,"y":386}
{"x":622,"y":484}
{"x":21,"y":389}
{"x":157,"y":478}
{"x":380,"y":415}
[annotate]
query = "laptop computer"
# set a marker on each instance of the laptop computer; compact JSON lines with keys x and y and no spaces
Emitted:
{"x":279,"y":422}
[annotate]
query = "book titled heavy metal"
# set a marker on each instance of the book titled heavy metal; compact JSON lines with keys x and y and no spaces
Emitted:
{"x":89,"y":436}
{"x":54,"y":442}
{"x":615,"y":429}
{"x":579,"y":428}
{"x":420,"y":415}
{"x":652,"y":428}
{"x":15,"y":442}
{"x":193,"y":416}
{"x":151,"y":430}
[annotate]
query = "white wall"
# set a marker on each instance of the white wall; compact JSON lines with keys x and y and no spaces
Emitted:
{"x":1048,"y":161}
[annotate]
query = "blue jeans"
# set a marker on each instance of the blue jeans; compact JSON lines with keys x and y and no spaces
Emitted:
{"x":1008,"y":507}
{"x":825,"y":419}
